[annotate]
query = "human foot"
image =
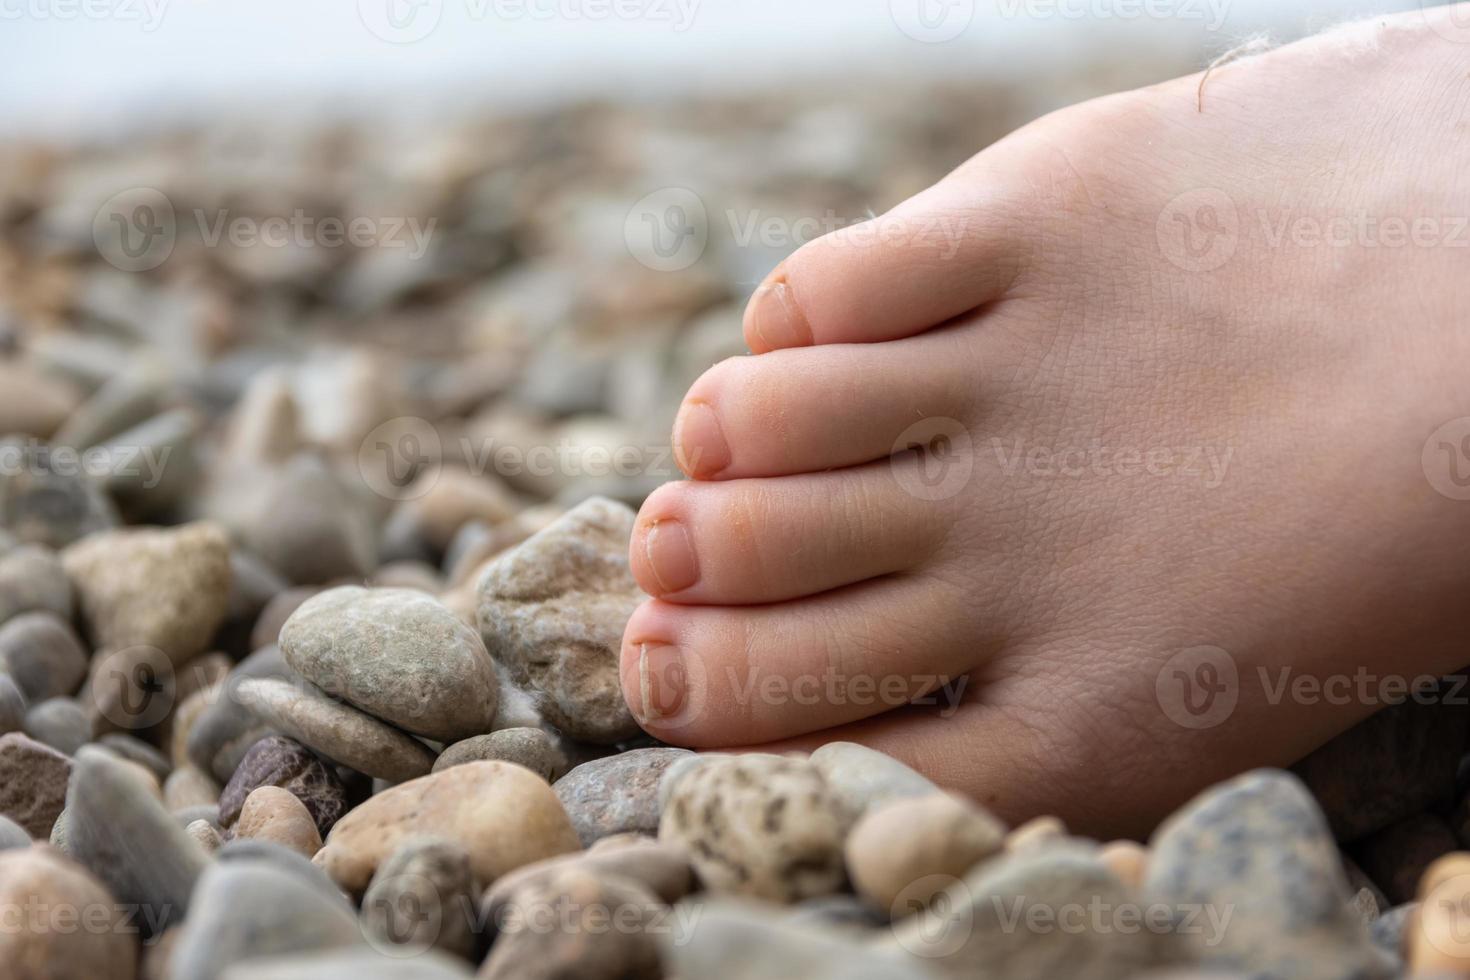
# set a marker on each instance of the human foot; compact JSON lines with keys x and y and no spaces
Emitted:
{"x":1174,"y":382}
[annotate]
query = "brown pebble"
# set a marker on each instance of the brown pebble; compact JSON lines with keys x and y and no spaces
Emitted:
{"x":274,"y":814}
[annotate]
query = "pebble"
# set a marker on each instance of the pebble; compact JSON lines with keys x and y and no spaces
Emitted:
{"x":204,"y":834}
{"x":129,"y":689}
{"x":1128,"y":860}
{"x":32,"y":404}
{"x":742,"y":941}
{"x":1398,"y":762}
{"x":1260,"y":846}
{"x":226,"y":728}
{"x":279,"y":761}
{"x":43,"y":502}
{"x":1390,"y":929}
{"x":617,"y":794}
{"x":339,"y":732}
{"x":763,"y":826}
{"x":1397,"y":856}
{"x":207,"y":812}
{"x":33,"y":579}
{"x":123,"y":834}
{"x":424,"y":897}
{"x":397,"y":654}
{"x":136,"y":750}
{"x":662,"y":868}
{"x":12,"y":834}
{"x":84,"y":934}
{"x":351,"y":965}
{"x":1036,"y":834}
{"x":163,"y":588}
{"x":861,"y":777}
{"x":12,"y":706}
{"x":33,"y":783}
{"x":910,"y":847}
{"x":130,"y":396}
{"x":42,"y":653}
{"x":585,"y":946}
{"x":60,"y":723}
{"x":553,"y":609}
{"x":529,"y":747}
{"x":274,"y":814}
{"x":502,"y":815}
{"x":244,"y":909}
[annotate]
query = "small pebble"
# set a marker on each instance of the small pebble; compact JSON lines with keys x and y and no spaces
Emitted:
{"x":61,"y":723}
{"x":1436,"y":943}
{"x":274,"y":814}
{"x":910,"y":848}
{"x":1036,"y":833}
{"x":617,"y":794}
{"x":33,"y":579}
{"x":42,"y":653}
{"x":190,"y":786}
{"x":1127,"y":859}
{"x":92,"y":935}
{"x":424,"y":897}
{"x":204,"y":834}
{"x":279,"y":761}
{"x":529,"y":747}
{"x":662,"y":868}
{"x":861,"y":777}
{"x":47,"y":504}
{"x":12,"y":834}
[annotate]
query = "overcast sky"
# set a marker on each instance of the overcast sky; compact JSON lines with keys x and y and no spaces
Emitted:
{"x":66,"y":63}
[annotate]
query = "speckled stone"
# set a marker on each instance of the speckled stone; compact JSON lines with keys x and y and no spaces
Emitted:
{"x":533,"y":748}
{"x":33,"y":778}
{"x":617,"y":794}
{"x":279,"y":761}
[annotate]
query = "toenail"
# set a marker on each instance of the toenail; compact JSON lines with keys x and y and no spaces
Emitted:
{"x":776,"y":319}
{"x":670,"y":555}
{"x":699,"y":440}
{"x":661,"y":681}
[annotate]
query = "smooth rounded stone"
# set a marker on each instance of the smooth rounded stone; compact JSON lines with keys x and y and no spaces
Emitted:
{"x":32,"y":404}
{"x":338,"y":731}
{"x":12,"y":834}
{"x":424,"y":897}
{"x":153,"y":587}
{"x":616,"y":795}
{"x":13,"y":706}
{"x":33,"y":783}
{"x":226,"y":728}
{"x":131,"y":689}
{"x":90,"y":936}
{"x":748,"y":941}
{"x":504,"y":816}
{"x":1127,"y":859}
{"x":42,"y":653}
{"x":136,"y":750}
{"x":764,"y":826}
{"x":279,"y":761}
{"x":33,"y":579}
{"x":1036,"y":834}
{"x":610,"y":933}
{"x":244,"y":909}
{"x":1026,"y":916}
{"x":662,"y":868}
{"x":190,"y":786}
{"x":529,"y":747}
{"x":204,"y":834}
{"x":1397,"y":763}
{"x":363,"y":964}
{"x":265,"y":427}
{"x":123,"y":834}
{"x":275,"y":613}
{"x":1397,"y":856}
{"x":1390,"y":929}
{"x":397,"y":654}
{"x":1260,"y":846}
{"x":60,"y":723}
{"x":908,"y":847}
{"x":279,"y":856}
{"x":274,"y":814}
{"x":44,"y":502}
{"x":553,"y":610}
{"x":861,"y":777}
{"x":1435,"y":940}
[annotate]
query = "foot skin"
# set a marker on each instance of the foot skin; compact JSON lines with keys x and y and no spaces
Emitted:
{"x":1172,"y":384}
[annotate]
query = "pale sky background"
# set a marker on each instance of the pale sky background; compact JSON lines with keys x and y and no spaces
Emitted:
{"x":70,"y":65}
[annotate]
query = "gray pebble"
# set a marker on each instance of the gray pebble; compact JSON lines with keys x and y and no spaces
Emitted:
{"x":31,"y":578}
{"x":533,"y":748}
{"x":424,"y":897}
{"x":61,"y":723}
{"x":227,"y":729}
{"x":12,"y":834}
{"x":43,"y":654}
{"x":618,"y":794}
{"x":364,"y":964}
{"x":861,"y":777}
{"x":134,"y":749}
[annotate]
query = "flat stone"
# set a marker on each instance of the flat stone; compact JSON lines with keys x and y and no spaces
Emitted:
{"x":338,"y":731}
{"x":1260,"y":846}
{"x":33,"y":779}
{"x":529,"y":747}
{"x":274,"y":814}
{"x":60,"y":723}
{"x":553,"y":610}
{"x":424,"y":897}
{"x":861,"y":777}
{"x":122,"y":833}
{"x":617,"y":794}
{"x":397,"y":654}
{"x":247,"y":909}
{"x":40,"y":878}
{"x":149,"y":587}
{"x":900,"y":844}
{"x":33,"y":579}
{"x":46,"y":498}
{"x":762,"y":826}
{"x":279,"y":761}
{"x":502,"y":815}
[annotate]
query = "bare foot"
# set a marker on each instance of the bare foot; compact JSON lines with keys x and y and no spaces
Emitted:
{"x":1176,"y":379}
